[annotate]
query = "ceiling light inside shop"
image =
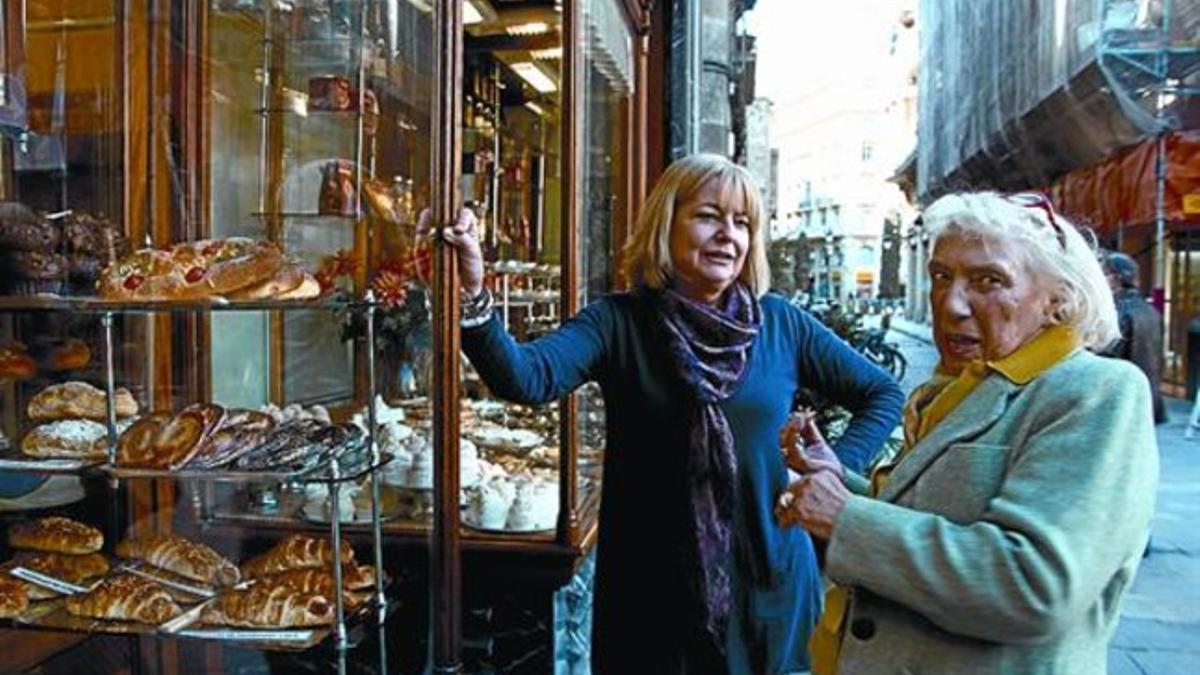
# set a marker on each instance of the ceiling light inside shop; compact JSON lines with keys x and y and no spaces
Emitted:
{"x":471,"y":13}
{"x":537,"y":109}
{"x":536,"y":77}
{"x":531,"y":28}
{"x":551,"y":54}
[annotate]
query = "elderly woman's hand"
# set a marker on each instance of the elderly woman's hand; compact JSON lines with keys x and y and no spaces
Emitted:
{"x":805,"y":449}
{"x":462,"y":236}
{"x":813,"y":502}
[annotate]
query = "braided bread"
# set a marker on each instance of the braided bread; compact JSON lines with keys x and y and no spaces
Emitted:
{"x":74,"y":569}
{"x":56,"y":535}
{"x":13,"y":599}
{"x":269,"y":606}
{"x":125,"y":597}
{"x":298,"y":551}
{"x":181,"y":556}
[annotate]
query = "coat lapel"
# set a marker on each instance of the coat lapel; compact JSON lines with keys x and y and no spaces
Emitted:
{"x":979,"y":410}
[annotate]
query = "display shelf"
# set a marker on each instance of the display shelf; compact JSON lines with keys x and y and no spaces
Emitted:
{"x":308,"y":215}
{"x":13,"y":461}
{"x":96,"y":305}
{"x":322,"y":473}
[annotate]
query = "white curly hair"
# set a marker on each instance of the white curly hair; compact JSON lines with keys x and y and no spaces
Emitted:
{"x":1055,"y":248}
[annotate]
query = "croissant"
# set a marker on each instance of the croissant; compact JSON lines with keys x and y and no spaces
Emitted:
{"x":13,"y":599}
{"x":181,"y":556}
{"x":57,"y":535}
{"x":298,"y":551}
{"x":269,"y":606}
{"x":125,"y":597}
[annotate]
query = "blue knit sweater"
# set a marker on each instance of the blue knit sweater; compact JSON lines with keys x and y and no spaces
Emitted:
{"x":642,"y":615}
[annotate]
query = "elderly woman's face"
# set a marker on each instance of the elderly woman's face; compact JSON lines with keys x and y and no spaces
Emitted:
{"x":709,"y":239}
{"x":986,"y":301}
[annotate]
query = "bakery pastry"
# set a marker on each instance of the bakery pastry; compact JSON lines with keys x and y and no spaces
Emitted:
{"x":191,"y":270}
{"x":288,"y":278}
{"x":298,"y":551}
{"x":70,"y":354}
{"x":136,"y":446}
{"x":75,"y":569}
{"x":168,"y":442}
{"x":15,"y":363}
{"x":56,"y":535}
{"x":13,"y":598}
{"x":320,"y":580}
{"x":241,"y":431}
{"x":33,"y":272}
{"x":75,"y":400}
{"x":299,"y":446}
{"x":307,"y":290}
{"x":21,"y":229}
{"x":185,"y":433}
{"x":125,"y":597}
{"x":269,"y":606}
{"x":182,"y":556}
{"x":67,"y":439}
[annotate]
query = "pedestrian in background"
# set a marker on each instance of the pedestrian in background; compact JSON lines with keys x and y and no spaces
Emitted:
{"x":1004,"y":536}
{"x":699,"y":370}
{"x":1141,"y":325}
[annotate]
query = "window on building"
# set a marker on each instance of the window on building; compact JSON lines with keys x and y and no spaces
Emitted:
{"x":868,"y":151}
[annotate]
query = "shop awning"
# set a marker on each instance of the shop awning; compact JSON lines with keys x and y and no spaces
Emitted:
{"x":1121,"y":190}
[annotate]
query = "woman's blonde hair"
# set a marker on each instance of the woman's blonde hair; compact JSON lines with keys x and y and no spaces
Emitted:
{"x":648,"y":252}
{"x":1055,"y":249}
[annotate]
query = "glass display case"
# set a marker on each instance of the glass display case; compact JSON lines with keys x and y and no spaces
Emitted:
{"x":227,"y":337}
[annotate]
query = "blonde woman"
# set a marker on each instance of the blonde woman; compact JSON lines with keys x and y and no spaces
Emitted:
{"x":1009,"y":529}
{"x":699,"y":370}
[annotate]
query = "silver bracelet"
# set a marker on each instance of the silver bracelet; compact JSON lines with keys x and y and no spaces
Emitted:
{"x":477,"y":311}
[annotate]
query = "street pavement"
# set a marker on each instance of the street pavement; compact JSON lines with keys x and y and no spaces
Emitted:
{"x":1159,"y":632}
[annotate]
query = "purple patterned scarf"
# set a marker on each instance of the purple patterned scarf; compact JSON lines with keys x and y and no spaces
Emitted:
{"x":710,"y":347}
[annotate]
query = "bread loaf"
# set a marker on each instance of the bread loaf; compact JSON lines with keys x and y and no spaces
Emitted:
{"x":71,"y":439}
{"x":269,"y":606}
{"x":298,"y":551}
{"x":186,"y":558}
{"x":56,"y":535}
{"x":78,"y":400}
{"x":125,"y":597}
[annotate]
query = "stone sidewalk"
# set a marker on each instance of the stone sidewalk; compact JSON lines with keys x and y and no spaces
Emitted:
{"x":1159,"y":633}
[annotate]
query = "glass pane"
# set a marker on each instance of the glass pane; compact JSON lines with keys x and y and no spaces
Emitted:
{"x":512,"y":125}
{"x":608,"y":76}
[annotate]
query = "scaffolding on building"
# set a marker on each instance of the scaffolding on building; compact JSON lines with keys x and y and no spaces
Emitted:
{"x":1149,"y":53}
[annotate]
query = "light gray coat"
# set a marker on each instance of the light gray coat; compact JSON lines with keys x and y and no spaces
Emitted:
{"x":1004,"y":541}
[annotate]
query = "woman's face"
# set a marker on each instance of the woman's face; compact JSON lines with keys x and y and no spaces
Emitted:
{"x":986,"y":301}
{"x":710,"y":235}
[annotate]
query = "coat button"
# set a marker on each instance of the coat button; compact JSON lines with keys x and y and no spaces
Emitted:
{"x":863,"y":629}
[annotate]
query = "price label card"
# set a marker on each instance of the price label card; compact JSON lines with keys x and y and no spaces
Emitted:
{"x":57,"y":585}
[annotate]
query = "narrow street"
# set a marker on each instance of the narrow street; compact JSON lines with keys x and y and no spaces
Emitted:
{"x":1160,"y":619}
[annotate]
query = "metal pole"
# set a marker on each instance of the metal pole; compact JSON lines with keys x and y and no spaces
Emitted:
{"x":110,"y":387}
{"x":376,"y":500}
{"x":335,"y":520}
{"x":1160,"y":215}
{"x":264,"y":102}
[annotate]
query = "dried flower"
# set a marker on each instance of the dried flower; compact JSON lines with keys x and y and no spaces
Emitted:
{"x":390,"y":287}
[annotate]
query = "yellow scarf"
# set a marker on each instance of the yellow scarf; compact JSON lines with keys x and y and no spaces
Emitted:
{"x":928,"y":405}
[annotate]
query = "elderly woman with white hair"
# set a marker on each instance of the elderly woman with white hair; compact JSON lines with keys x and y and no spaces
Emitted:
{"x":699,"y":371}
{"x":1003,"y":537}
